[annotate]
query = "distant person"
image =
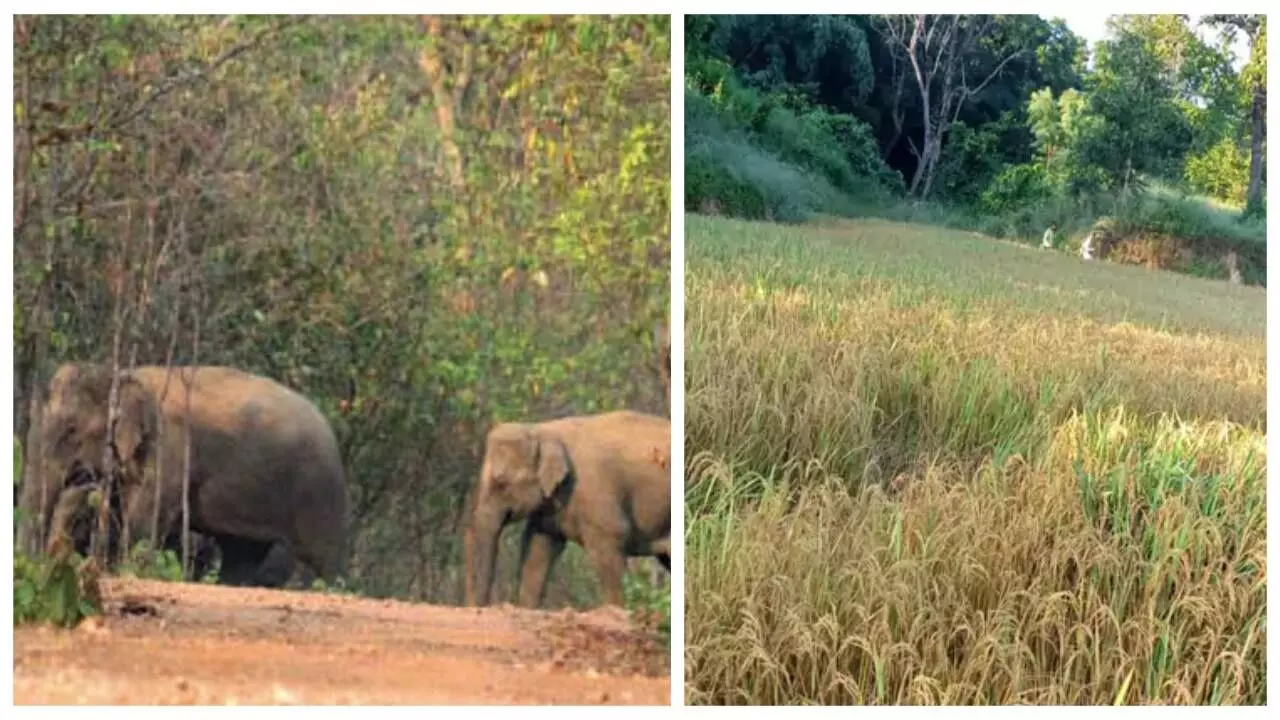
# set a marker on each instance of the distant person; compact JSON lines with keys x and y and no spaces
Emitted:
{"x":1047,"y":242}
{"x":1087,"y":247}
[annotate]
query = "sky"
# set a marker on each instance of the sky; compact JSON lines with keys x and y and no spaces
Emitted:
{"x":1092,"y":26}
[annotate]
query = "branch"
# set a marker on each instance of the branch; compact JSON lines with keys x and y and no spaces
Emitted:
{"x":945,"y":46}
{"x":911,"y":55}
{"x":174,"y":81}
{"x":928,"y":38}
{"x":970,"y":93}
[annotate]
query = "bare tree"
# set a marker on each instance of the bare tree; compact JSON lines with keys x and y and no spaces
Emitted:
{"x":939,"y":49}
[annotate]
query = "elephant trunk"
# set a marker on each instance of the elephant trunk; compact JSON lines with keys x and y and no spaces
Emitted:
{"x":69,"y":524}
{"x":480,"y":540}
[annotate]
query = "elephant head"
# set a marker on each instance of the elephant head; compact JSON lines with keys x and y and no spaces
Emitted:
{"x":73,"y":440}
{"x":524,"y":470}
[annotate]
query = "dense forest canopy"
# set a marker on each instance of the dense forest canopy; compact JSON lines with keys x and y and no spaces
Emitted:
{"x":1010,"y":120}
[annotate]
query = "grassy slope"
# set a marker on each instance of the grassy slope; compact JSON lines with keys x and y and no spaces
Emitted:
{"x":926,"y":466}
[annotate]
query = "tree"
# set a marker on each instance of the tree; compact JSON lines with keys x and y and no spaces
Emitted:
{"x":823,"y":57}
{"x":1254,"y":80}
{"x":1143,"y":128}
{"x":941,"y":53}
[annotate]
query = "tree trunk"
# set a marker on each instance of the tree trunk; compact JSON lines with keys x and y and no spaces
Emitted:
{"x":35,"y":497}
{"x":934,"y":152}
{"x":1255,"y":150}
{"x":447,"y":96}
{"x":924,"y":156}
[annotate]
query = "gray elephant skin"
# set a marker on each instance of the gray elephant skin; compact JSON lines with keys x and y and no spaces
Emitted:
{"x":266,"y":479}
{"x":74,"y":516}
{"x":601,"y":481}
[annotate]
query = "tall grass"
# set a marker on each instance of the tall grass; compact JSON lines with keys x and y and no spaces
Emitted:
{"x":928,"y":467}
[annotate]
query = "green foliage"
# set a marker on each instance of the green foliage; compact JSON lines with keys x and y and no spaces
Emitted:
{"x":61,"y":590}
{"x":425,"y":225}
{"x":652,"y":604}
{"x":726,"y":172}
{"x":772,"y":154}
{"x":1048,"y":140}
{"x":823,"y":58}
{"x":712,"y":183}
{"x":1214,"y":230}
{"x":1015,"y":187}
{"x":1135,"y":94}
{"x":972,"y":162}
{"x":1062,"y":126}
{"x":1222,"y":171}
{"x":143,"y":561}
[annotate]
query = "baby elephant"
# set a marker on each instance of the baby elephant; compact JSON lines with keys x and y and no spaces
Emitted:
{"x":602,"y":481}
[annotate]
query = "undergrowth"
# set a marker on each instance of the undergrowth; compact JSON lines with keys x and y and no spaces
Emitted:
{"x":61,"y":590}
{"x":649,"y":604}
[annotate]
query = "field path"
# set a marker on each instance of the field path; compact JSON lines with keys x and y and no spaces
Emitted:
{"x":183,"y":643}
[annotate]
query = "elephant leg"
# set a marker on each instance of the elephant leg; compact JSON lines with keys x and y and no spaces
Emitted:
{"x":276,"y":568}
{"x":610,"y":564}
{"x":303,"y":577}
{"x":241,"y":560}
{"x":204,"y":555}
{"x":660,"y":564}
{"x":538,"y":552}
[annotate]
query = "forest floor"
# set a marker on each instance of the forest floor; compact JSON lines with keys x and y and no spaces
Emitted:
{"x":184,"y":643}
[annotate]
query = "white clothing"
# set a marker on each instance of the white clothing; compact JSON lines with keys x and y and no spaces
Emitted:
{"x":1048,"y":239}
{"x":1086,"y":248}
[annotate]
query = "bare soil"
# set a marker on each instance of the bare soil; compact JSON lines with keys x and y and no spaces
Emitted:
{"x":185,"y":643}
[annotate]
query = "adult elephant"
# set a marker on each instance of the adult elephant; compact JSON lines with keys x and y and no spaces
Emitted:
{"x":266,"y":479}
{"x":602,"y":481}
{"x":74,"y":517}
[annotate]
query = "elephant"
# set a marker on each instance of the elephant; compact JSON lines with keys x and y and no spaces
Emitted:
{"x":266,"y":479}
{"x":74,"y":517}
{"x":601,"y":481}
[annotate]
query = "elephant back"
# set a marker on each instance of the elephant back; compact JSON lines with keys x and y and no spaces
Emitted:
{"x":633,"y":445}
{"x":225,"y":398}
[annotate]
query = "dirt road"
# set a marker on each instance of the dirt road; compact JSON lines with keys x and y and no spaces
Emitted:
{"x":166,"y":643}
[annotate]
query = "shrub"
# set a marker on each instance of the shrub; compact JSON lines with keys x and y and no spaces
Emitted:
{"x":1221,"y":171}
{"x":1017,"y":186}
{"x":652,"y":605}
{"x":62,"y":590}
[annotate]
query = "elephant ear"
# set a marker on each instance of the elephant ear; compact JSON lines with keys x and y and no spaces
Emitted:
{"x":553,"y":464}
{"x":136,"y":424}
